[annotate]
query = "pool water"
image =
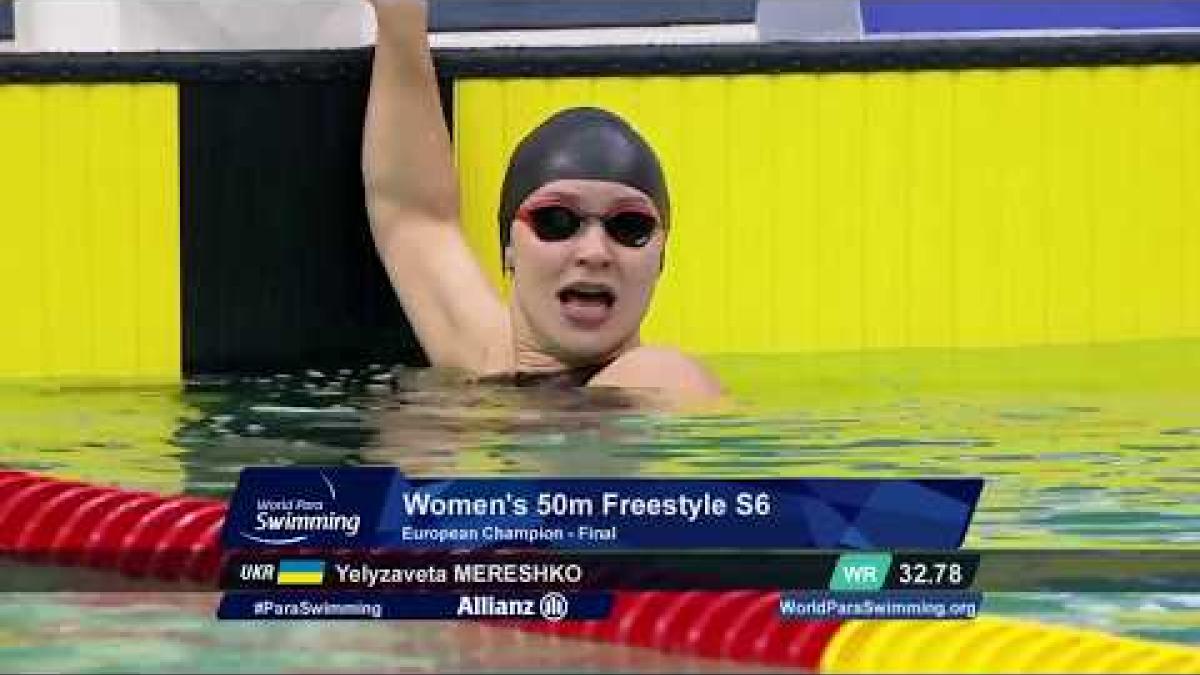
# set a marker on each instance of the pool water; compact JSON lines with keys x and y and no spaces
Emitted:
{"x":1082,"y":447}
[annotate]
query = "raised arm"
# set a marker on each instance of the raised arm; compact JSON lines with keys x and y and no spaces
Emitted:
{"x":412,"y":200}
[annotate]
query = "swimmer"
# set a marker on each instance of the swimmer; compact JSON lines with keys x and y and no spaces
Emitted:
{"x":583,"y":224}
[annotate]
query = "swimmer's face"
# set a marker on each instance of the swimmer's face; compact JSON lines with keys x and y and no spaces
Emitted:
{"x":581,"y":292}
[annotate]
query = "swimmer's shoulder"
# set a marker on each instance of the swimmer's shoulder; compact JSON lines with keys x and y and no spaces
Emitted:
{"x":663,"y":368}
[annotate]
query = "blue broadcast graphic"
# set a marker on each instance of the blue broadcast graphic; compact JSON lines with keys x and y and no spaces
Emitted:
{"x":357,"y":508}
{"x":295,"y":606}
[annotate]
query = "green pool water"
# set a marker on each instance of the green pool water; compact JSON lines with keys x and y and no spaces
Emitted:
{"x":1081,"y":447}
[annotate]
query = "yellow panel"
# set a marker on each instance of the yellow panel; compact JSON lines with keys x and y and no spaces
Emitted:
{"x":524,"y":107}
{"x":568,"y":92}
{"x":885,"y":217}
{"x":22,"y":286}
{"x":68,"y":311}
{"x":1189,"y":249}
{"x":1032,"y":191}
{"x":702,"y":213}
{"x":1160,"y":219}
{"x":931,"y":232}
{"x":977,"y":265}
{"x":157,"y":209}
{"x":1067,"y":253}
{"x":1115,"y":228}
{"x":846,"y":211}
{"x":92,"y":231}
{"x":798,"y":286}
{"x":840,"y":127}
{"x":621,"y":95}
{"x":662,"y":119}
{"x":111,"y":257}
{"x":750,"y":219}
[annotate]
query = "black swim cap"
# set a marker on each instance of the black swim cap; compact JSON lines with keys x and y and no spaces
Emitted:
{"x":584,"y":144}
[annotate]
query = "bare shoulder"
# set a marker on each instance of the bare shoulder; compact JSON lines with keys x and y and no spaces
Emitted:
{"x":660,"y":368}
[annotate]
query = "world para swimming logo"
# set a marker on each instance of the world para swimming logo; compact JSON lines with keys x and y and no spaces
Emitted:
{"x":299,"y":516}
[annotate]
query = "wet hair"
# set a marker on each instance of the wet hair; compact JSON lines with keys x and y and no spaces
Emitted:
{"x":584,"y":144}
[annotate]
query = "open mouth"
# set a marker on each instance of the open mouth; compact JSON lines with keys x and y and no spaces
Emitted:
{"x":587,"y":294}
{"x":587,"y":304}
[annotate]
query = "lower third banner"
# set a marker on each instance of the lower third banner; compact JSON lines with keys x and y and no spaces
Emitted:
{"x":308,"y":606}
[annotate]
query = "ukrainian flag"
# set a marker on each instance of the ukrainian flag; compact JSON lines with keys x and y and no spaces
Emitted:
{"x":300,"y":572}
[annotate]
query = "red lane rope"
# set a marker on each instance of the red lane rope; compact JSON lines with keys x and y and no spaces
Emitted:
{"x":141,"y":534}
